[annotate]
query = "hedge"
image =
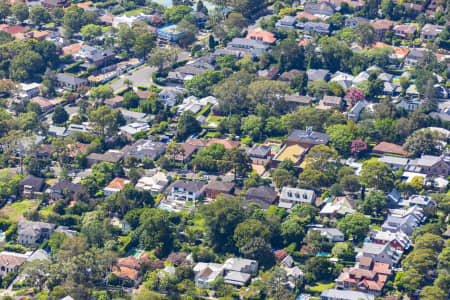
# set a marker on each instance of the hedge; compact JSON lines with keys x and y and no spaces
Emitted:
{"x":73,"y":68}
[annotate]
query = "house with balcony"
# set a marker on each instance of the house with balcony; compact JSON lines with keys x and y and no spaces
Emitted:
{"x":185,"y":190}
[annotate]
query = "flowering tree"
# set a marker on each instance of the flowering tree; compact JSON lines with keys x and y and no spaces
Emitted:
{"x":357,"y":147}
{"x":354,"y":96}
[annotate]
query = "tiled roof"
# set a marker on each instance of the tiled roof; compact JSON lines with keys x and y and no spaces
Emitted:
{"x":117,"y":183}
{"x":263,"y":35}
{"x":385,"y":147}
{"x":228,"y":144}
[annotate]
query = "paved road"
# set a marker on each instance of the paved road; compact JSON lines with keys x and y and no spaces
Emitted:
{"x":142,"y":77}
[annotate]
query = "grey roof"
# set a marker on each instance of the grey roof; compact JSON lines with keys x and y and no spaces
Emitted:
{"x":109,"y":156}
{"x":237,"y":278}
{"x":35,"y":182}
{"x":417,"y":54}
{"x":38,"y":255}
{"x":190,"y":186}
{"x":394,"y":160}
{"x":298,"y":99}
{"x":317,"y":74}
{"x":221,"y":186}
{"x":259,"y":150}
{"x":345,"y":295}
{"x":69,"y":79}
{"x":238,"y":42}
{"x":297,"y":194}
{"x":264,"y":196}
{"x":146,"y":148}
{"x":63,"y":184}
{"x":312,"y":137}
{"x":330,"y":231}
{"x":288,"y":20}
{"x":386,"y":76}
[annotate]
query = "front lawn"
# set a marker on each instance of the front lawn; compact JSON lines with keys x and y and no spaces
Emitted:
{"x":320,"y":287}
{"x":16,"y":211}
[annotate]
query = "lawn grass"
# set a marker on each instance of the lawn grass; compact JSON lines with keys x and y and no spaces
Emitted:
{"x":215,"y":119}
{"x":15,"y":211}
{"x":375,"y":227}
{"x":320,"y":287}
{"x":134,"y":12}
{"x":46,"y":210}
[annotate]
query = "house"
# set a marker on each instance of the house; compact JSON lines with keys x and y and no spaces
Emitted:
{"x":391,"y":89}
{"x":130,"y":20}
{"x":33,"y":232}
{"x":333,"y":235}
{"x":195,"y":105}
{"x":11,"y":262}
{"x":112,"y":156}
{"x":405,"y":31}
{"x":361,"y":77}
{"x":353,"y":22}
{"x":318,"y":74}
{"x":294,"y":101}
{"x":155,"y":184}
{"x":116,"y":185}
{"x":45,"y":104}
{"x":57,"y":131}
{"x":249,"y":46}
{"x":206,"y":273}
{"x":398,"y":240}
{"x":293,"y":273}
{"x":29,"y":90}
{"x":430,"y":31}
{"x":168,"y":97}
{"x":286,"y":23}
{"x":315,"y":27}
{"x":355,"y":112}
{"x":260,"y":154}
{"x":264,"y":196}
{"x":306,"y":138}
{"x":188,"y":151}
{"x":227,"y":143}
{"x":146,"y":148}
{"x":320,"y":8}
{"x":417,"y":200}
{"x":289,"y":75}
{"x":338,"y":207}
{"x":51,"y":4}
{"x":60,"y":188}
{"x":133,"y":116}
{"x":414,"y":56}
{"x":31,"y":185}
{"x":69,"y":81}
{"x":430,"y":165}
{"x":131,"y":129}
{"x":389,"y":148}
{"x":385,"y":254}
{"x":382,"y":26}
{"x":215,"y":188}
{"x":185,"y":73}
{"x":367,"y":276}
{"x":333,"y":294}
{"x":114,"y":102}
{"x":269,"y":73}
{"x":405,"y":224}
{"x":329,"y":102}
{"x":238,"y":271}
{"x":185,"y":190}
{"x":262,"y":35}
{"x":394,"y":162}
{"x":344,"y":79}
{"x":295,"y":196}
{"x":127,"y":270}
{"x":168,"y":34}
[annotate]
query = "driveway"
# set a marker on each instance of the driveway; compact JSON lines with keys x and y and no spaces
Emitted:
{"x":142,"y":77}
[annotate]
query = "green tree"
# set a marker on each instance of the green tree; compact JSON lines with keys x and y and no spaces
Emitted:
{"x":130,"y":99}
{"x":319,"y":268}
{"x":433,"y":293}
{"x":26,"y":65}
{"x":276,"y":284}
{"x":144,"y":44}
{"x":5,"y":11}
{"x":90,"y":32}
{"x":20,"y":11}
{"x":422,"y":260}
{"x":187,"y":125}
{"x":422,"y":142}
{"x":344,"y":251}
{"x":222,"y":217}
{"x":355,"y":225}
{"x":60,"y":115}
{"x":39,"y":15}
{"x":429,"y":241}
{"x":240,"y":162}
{"x":101,"y":93}
{"x":342,"y":136}
{"x":104,"y":120}
{"x":377,"y":175}
{"x":175,"y":14}
{"x":74,"y":20}
{"x":365,"y":34}
{"x":408,"y":281}
{"x":373,"y":203}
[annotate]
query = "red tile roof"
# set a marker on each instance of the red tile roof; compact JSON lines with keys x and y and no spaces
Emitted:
{"x":262,"y":35}
{"x":12,"y":30}
{"x":385,"y":147}
{"x":118,"y":183}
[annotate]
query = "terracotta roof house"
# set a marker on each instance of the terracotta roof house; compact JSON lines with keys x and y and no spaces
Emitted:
{"x":116,"y":185}
{"x":216,"y":188}
{"x":114,"y":102}
{"x":43,"y":103}
{"x":15,"y":29}
{"x":262,"y":35}
{"x":127,"y":269}
{"x":381,"y":27}
{"x":51,"y":4}
{"x":389,"y":148}
{"x":306,"y":15}
{"x":264,"y":196}
{"x":10,"y":261}
{"x":72,"y":49}
{"x":228,"y":144}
